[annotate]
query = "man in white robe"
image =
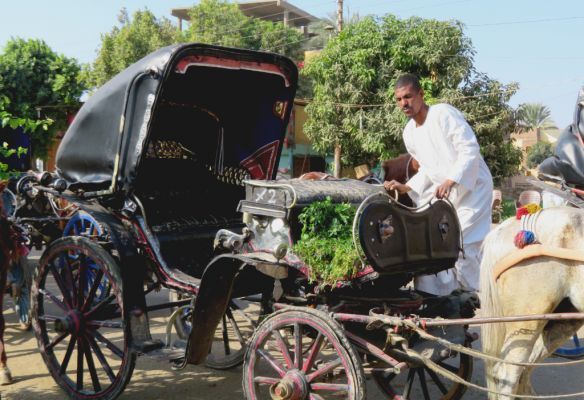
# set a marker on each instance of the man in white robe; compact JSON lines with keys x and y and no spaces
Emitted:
{"x":451,"y":166}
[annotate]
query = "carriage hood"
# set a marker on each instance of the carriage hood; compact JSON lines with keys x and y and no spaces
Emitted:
{"x":249,"y":94}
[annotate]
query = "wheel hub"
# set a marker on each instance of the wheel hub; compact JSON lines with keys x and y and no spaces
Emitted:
{"x":292,"y":386}
{"x":73,"y":322}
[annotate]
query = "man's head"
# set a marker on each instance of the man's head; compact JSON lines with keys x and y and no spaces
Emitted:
{"x":409,"y":95}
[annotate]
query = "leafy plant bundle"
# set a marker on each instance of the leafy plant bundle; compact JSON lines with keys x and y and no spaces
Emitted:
{"x":326,"y":241}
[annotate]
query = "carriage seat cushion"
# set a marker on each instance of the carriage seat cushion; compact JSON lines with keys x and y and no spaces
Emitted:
{"x":300,"y":193}
{"x":398,"y":240}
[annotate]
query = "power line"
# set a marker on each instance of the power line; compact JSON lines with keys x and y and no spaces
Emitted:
{"x":528,"y":21}
{"x":492,"y":93}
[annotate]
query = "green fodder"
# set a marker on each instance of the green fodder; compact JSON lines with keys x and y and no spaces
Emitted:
{"x":326,"y":241}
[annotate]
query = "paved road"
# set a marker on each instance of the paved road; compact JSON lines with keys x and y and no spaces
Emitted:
{"x":153,"y":379}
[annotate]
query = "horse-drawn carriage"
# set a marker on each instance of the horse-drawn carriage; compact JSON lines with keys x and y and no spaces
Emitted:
{"x":171,"y":166}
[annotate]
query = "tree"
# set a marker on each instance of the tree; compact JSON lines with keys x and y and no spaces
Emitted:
{"x":484,"y":103}
{"x":533,"y":116}
{"x":539,"y":152}
{"x":221,"y":22}
{"x":28,"y":125}
{"x":35,"y":78}
{"x":135,"y":38}
{"x":354,"y":75}
{"x":212,"y":21}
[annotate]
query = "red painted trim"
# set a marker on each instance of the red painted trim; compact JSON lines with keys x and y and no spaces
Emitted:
{"x":229,"y":63}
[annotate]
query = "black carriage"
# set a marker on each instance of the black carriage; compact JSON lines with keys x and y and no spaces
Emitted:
{"x":172,"y":166}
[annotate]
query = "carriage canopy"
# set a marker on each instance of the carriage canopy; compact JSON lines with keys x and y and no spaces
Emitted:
{"x":225,"y":108}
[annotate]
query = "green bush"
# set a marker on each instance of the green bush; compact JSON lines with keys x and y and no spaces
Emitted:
{"x":508,"y":209}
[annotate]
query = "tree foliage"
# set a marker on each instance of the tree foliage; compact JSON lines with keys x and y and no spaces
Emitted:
{"x":221,"y":22}
{"x":539,"y":152}
{"x":217,"y":22}
{"x":532,"y":116}
{"x":29,"y":126}
{"x":353,"y":102}
{"x":125,"y":44}
{"x":33,"y":77}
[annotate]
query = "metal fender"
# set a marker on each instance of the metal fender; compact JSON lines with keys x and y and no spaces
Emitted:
{"x":211,"y":303}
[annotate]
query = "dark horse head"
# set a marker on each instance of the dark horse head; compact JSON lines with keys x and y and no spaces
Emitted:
{"x":401,"y":169}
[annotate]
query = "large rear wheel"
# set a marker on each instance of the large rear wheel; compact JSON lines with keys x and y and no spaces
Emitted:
{"x":82,"y":332}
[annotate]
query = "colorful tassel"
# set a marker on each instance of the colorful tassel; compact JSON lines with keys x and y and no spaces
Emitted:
{"x":527,"y":209}
{"x":524,"y":238}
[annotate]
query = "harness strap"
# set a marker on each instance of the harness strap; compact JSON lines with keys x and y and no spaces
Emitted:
{"x":535,"y":250}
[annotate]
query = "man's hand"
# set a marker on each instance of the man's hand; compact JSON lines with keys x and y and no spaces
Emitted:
{"x":443,"y":191}
{"x":401,"y":188}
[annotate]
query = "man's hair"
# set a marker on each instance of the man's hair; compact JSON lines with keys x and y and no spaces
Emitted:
{"x":407,"y":80}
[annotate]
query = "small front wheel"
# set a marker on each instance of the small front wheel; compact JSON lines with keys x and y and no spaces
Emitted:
{"x":299,"y":353}
{"x":82,"y":332}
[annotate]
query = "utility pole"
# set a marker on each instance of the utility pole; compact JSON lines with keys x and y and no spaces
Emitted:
{"x":339,"y":15}
{"x":337,"y":171}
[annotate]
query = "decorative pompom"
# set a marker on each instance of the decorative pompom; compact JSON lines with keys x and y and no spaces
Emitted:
{"x":527,"y":209}
{"x":524,"y":238}
{"x":532,"y":208}
{"x":521,"y":212}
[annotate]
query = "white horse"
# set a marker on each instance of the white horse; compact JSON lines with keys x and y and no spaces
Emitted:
{"x":537,"y":285}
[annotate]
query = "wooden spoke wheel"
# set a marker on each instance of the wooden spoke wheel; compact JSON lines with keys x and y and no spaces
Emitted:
{"x":299,"y":353}
{"x":83,"y":336}
{"x":423,"y":383}
{"x":232,"y":334}
{"x":83,"y":224}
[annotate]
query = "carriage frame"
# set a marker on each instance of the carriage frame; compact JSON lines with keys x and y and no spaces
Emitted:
{"x":129,"y":240}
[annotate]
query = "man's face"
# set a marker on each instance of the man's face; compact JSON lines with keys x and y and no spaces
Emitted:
{"x":409,"y":100}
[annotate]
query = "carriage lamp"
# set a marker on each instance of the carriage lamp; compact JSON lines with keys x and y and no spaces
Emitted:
{"x":280,"y":251}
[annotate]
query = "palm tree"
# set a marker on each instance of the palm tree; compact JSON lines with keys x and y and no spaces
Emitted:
{"x":534,"y":116}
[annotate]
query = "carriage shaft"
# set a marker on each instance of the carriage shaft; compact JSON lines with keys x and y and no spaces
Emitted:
{"x":342,"y":317}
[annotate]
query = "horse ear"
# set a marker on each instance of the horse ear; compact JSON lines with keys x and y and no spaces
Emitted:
{"x":3,"y":185}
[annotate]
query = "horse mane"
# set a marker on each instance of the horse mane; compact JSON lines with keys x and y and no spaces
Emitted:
{"x":492,"y":335}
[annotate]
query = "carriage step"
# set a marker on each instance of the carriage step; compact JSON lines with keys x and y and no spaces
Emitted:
{"x":166,"y":354}
{"x":148,"y":346}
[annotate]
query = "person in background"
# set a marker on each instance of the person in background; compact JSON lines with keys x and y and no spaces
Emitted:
{"x":451,"y":167}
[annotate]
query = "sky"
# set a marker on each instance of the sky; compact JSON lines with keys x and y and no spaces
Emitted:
{"x":531,"y":42}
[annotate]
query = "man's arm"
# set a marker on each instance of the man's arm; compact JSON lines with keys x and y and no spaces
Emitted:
{"x":443,"y":191}
{"x":401,"y":188}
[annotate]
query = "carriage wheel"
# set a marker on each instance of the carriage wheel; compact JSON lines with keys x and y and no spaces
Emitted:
{"x":83,"y":340}
{"x":83,"y":224}
{"x":572,"y":349}
{"x":232,"y":334}
{"x":423,"y":383}
{"x":301,"y":353}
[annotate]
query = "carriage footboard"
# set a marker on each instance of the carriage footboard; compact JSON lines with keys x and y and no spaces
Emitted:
{"x":211,"y":303}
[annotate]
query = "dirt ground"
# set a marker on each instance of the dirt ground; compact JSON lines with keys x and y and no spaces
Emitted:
{"x":154,"y":379}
